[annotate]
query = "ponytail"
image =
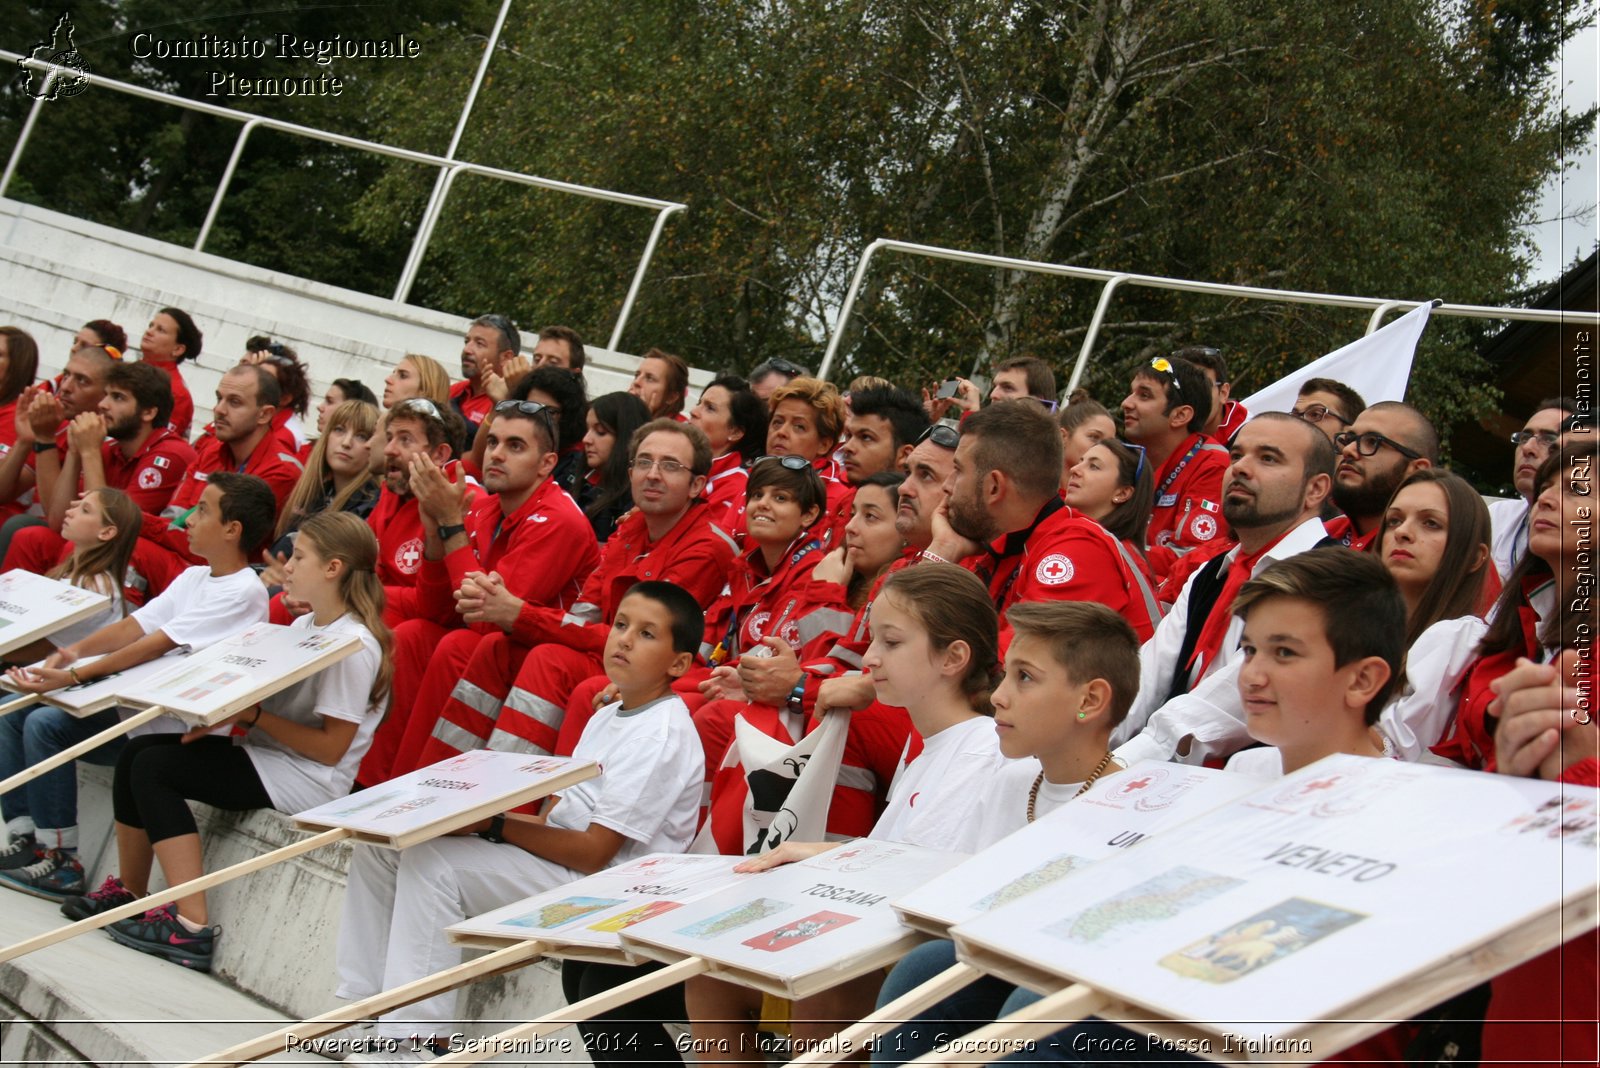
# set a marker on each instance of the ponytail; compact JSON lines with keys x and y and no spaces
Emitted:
{"x":341,"y":536}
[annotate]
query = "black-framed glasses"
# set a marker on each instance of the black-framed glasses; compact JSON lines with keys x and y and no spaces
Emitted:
{"x":531,"y":409}
{"x":420,"y":405}
{"x":943,"y":435}
{"x":1548,"y":438}
{"x":1369,"y":443}
{"x":1316,"y":413}
{"x":668,"y":468}
{"x":791,"y":462}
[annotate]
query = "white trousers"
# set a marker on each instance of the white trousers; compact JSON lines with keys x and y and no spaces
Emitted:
{"x":398,"y":904}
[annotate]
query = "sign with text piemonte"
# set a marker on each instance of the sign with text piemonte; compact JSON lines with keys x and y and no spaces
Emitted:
{"x":1353,"y":890}
{"x":804,"y":927}
{"x":446,"y":796}
{"x":583,"y":920}
{"x":1119,"y":811}
{"x":34,"y":607}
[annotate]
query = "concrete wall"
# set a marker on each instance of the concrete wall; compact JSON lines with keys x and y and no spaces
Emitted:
{"x":58,"y":272}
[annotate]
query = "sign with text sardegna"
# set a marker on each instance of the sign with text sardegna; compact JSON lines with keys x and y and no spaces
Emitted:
{"x":34,"y":607}
{"x":99,"y":694}
{"x":1119,"y":811}
{"x":446,"y":796}
{"x":213,"y":683}
{"x":1344,"y":892}
{"x":796,"y":930}
{"x":583,"y":919}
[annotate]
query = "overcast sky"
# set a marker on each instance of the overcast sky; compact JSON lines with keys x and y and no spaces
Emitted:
{"x":1566,"y":213}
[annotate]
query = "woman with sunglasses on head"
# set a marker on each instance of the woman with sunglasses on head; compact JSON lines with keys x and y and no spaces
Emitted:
{"x":735,"y":422}
{"x":1111,"y":485}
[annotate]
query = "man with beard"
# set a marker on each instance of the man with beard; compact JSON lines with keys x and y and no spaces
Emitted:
{"x":1534,"y":442}
{"x":491,"y":340}
{"x":1005,"y":521}
{"x":1384,"y":445}
{"x":523,"y":546}
{"x":142,"y":458}
{"x":1280,"y":474}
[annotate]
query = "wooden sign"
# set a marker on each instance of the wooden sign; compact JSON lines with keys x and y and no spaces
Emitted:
{"x":583,"y":919}
{"x":446,"y":796}
{"x":34,"y":607}
{"x":1119,"y":811}
{"x":801,"y":928}
{"x":213,"y":683}
{"x":1353,"y":890}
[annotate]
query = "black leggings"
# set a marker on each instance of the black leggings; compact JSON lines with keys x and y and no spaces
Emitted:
{"x":631,"y":1033}
{"x":157,"y":775}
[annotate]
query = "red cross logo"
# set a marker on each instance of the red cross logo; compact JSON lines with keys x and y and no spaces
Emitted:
{"x":409,"y":556}
{"x":1138,"y":784}
{"x":1320,"y":784}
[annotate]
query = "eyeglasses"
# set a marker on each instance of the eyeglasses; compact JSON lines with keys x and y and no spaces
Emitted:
{"x":668,"y":468}
{"x":943,"y":434}
{"x":1368,"y":444}
{"x":1162,"y":365}
{"x":1047,"y":405}
{"x":421,"y":406}
{"x":792,"y":463}
{"x":1548,"y":438}
{"x":1316,"y":413}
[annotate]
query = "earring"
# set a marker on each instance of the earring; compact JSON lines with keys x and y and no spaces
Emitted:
{"x":1083,"y":715}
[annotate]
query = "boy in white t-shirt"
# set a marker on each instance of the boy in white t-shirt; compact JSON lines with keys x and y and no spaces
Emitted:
{"x":204,"y":605}
{"x":646,"y":800}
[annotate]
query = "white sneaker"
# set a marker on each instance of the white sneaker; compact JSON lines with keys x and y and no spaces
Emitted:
{"x":404,"y":1054}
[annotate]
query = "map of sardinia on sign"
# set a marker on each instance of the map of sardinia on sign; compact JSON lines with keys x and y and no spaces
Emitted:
{"x":34,"y":607}
{"x":102,"y":693}
{"x":1119,"y":811}
{"x":212,"y":684}
{"x":1335,"y":893}
{"x":583,"y":919}
{"x":801,"y":928}
{"x":443,"y":797}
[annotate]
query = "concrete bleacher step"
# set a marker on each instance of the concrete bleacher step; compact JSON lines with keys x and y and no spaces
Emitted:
{"x":89,"y":1000}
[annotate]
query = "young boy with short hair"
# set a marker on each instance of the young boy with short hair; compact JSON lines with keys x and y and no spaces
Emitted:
{"x":202,"y":606}
{"x":1323,"y":644}
{"x":646,"y":800}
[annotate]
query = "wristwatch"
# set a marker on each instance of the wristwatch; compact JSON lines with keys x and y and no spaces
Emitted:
{"x":446,"y":533}
{"x":44,"y":446}
{"x":796,"y":700}
{"x":495,"y":832}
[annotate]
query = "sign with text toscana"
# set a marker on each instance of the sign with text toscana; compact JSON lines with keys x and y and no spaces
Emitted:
{"x":1345,"y":892}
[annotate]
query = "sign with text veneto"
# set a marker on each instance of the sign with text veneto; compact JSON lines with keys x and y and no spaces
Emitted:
{"x":213,"y":683}
{"x":801,"y":928}
{"x":584,"y":919}
{"x":1119,"y":811}
{"x":34,"y":607}
{"x":446,"y":796}
{"x":1353,"y":890}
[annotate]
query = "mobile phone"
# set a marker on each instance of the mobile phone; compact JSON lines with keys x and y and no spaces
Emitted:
{"x":949,"y":389}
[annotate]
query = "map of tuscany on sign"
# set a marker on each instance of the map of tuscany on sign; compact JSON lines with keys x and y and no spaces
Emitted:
{"x":1333,"y":893}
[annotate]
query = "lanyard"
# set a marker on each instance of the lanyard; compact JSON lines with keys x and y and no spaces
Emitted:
{"x":1172,"y":476}
{"x":728,"y":648}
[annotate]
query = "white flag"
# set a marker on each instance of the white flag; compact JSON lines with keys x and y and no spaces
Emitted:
{"x":1376,"y":366}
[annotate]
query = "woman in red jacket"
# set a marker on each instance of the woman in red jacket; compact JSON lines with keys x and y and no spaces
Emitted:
{"x":735,"y":422}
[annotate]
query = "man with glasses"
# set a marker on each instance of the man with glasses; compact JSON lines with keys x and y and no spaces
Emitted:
{"x":525,"y":545}
{"x":1165,"y":412}
{"x":669,"y":537}
{"x":1332,"y":405}
{"x":491,"y":340}
{"x":769,"y":375}
{"x":1533,"y":445}
{"x":1385,"y":444}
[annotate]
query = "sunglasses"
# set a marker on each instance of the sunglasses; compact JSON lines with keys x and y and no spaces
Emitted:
{"x":1162,"y":365}
{"x":422,"y":406}
{"x":943,"y":434}
{"x":531,"y":409}
{"x":792,"y":463}
{"x":1369,"y":443}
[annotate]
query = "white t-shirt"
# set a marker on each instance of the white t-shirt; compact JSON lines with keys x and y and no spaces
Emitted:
{"x":199,"y":610}
{"x":294,"y":781}
{"x":652,"y":769}
{"x":1262,"y":762}
{"x":1004,"y":809}
{"x":113,"y":612}
{"x":934,"y":800}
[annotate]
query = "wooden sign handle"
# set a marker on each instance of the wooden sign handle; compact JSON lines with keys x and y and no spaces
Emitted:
{"x":501,"y":960}
{"x":891,"y":1015}
{"x":27,"y":775}
{"x":587,"y":1009}
{"x":16,"y":704}
{"x":171,"y":893}
{"x":1043,"y":1018}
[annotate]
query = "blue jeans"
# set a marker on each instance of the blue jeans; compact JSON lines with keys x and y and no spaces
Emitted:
{"x":40,"y":731}
{"x":968,"y":1009}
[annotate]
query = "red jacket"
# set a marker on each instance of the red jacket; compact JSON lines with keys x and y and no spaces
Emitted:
{"x":836,"y":513}
{"x":788,"y":603}
{"x":1344,"y":530}
{"x":152,"y":476}
{"x":725,"y":488}
{"x":695,"y":554}
{"x":272,"y":461}
{"x":1188,"y":504}
{"x":182,"y":403}
{"x":544,"y":550}
{"x":472,"y":409}
{"x":1066,"y":556}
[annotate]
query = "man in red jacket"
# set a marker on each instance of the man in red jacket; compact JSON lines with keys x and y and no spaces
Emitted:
{"x":523,"y":546}
{"x":669,"y":537}
{"x":490,"y":341}
{"x":416,"y":427}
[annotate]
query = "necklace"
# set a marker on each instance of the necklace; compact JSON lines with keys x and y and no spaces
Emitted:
{"x":1033,"y":794}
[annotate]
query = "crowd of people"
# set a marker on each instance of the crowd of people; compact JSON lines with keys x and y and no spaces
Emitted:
{"x":1009,"y":594}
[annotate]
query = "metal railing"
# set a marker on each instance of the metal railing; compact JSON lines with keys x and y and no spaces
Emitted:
{"x":1113,"y":280}
{"x":450,"y":169}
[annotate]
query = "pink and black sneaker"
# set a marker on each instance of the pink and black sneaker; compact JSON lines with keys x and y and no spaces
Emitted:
{"x":111,"y":894}
{"x":160,"y":933}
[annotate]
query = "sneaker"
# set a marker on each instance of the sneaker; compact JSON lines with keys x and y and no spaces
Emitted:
{"x":22,"y":851}
{"x":111,"y":894}
{"x":55,"y":876}
{"x":402,"y":1052}
{"x":158,"y":932}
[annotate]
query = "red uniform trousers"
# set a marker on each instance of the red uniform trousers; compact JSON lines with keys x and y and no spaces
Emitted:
{"x":414,"y":643}
{"x":36,"y":549}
